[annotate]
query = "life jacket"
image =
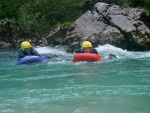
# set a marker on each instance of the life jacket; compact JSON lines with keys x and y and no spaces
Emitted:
{"x":92,"y":50}
{"x":21,"y":53}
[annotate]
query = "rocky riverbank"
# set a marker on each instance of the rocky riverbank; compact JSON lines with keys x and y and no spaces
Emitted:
{"x":107,"y":23}
{"x":11,"y":35}
{"x":127,"y":28}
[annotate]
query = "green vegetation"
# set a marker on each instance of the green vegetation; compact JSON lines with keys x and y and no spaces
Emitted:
{"x":147,"y":5}
{"x":41,"y":16}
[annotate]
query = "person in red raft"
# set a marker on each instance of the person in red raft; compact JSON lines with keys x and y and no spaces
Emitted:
{"x":86,"y":47}
{"x":86,"y":53}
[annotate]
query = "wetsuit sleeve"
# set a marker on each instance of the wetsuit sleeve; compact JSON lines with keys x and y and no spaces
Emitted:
{"x":19,"y":55}
{"x":95,"y":51}
{"x":34,"y":52}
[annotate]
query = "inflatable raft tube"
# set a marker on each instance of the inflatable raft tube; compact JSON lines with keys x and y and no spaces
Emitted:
{"x":31,"y":59}
{"x":89,"y":57}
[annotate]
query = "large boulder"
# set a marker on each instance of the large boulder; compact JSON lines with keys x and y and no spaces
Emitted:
{"x":139,"y":38}
{"x":112,"y":24}
{"x":133,"y":13}
{"x":111,"y":35}
{"x":121,"y":22}
{"x":58,"y":36}
{"x":89,"y":23}
{"x":101,"y":7}
{"x":115,"y":10}
{"x":92,"y":26}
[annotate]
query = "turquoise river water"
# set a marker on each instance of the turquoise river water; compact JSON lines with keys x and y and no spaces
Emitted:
{"x":60,"y":86}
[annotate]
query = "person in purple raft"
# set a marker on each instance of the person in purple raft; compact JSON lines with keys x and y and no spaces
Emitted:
{"x":27,"y":50}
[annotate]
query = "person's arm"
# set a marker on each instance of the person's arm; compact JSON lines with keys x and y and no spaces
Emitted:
{"x":19,"y":54}
{"x":34,"y":52}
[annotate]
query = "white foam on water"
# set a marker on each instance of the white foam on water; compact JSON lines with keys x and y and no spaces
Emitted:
{"x":105,"y":50}
{"x":57,"y":53}
{"x":59,"y":50}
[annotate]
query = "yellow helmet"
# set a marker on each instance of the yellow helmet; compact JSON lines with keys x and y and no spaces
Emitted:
{"x":25,"y":45}
{"x":86,"y":44}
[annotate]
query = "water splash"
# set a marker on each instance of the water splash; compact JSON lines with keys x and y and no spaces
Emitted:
{"x":58,"y":53}
{"x":105,"y":50}
{"x":58,"y":50}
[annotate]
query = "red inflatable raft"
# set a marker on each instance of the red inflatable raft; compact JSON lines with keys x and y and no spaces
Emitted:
{"x":89,"y":57}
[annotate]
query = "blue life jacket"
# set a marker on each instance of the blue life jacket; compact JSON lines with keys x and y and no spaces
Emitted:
{"x":92,"y":50}
{"x":21,"y":53}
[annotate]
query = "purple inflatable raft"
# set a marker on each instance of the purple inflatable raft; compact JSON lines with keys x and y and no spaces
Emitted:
{"x":31,"y":59}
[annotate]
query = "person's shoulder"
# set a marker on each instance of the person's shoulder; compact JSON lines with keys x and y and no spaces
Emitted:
{"x":19,"y":50}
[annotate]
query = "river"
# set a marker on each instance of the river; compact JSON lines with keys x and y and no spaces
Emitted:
{"x":61,"y":86}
